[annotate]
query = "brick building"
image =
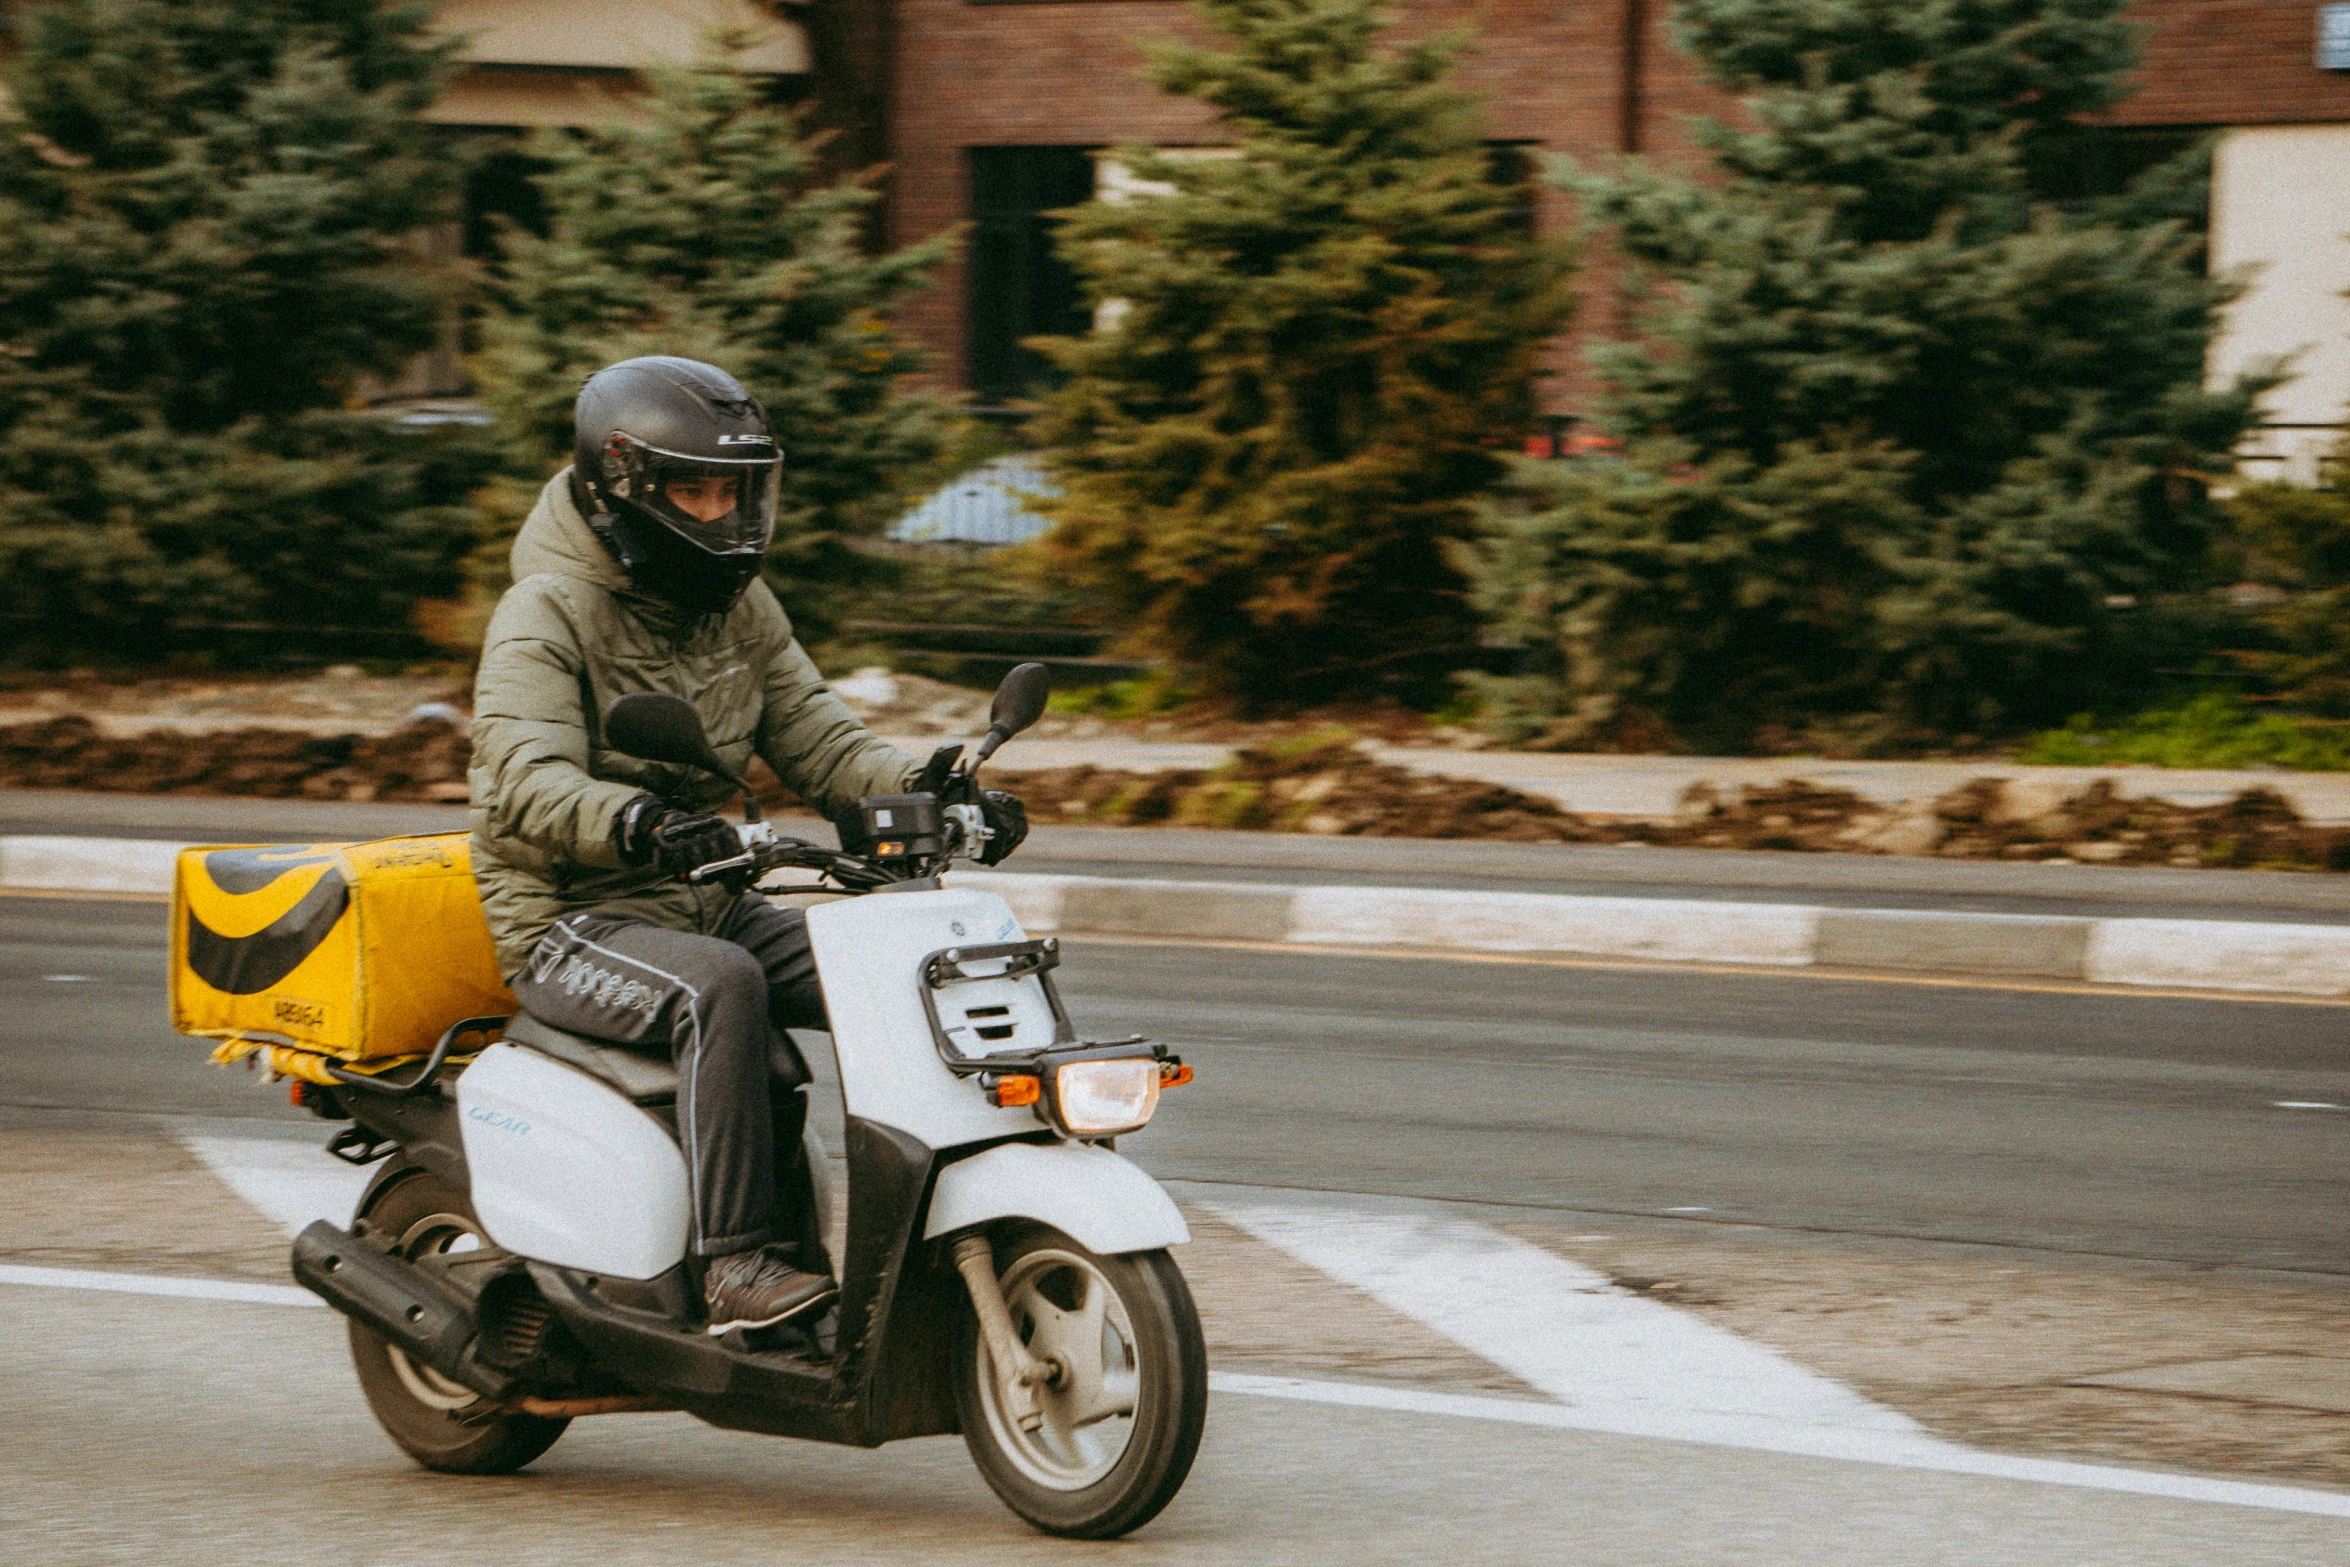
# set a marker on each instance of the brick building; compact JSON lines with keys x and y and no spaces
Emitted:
{"x":991,"y":111}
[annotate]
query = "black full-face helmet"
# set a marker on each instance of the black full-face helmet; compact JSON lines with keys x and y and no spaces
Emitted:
{"x":677,"y":471}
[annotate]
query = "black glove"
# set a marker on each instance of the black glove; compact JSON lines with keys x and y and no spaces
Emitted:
{"x":1007,"y":818}
{"x":656,"y":833}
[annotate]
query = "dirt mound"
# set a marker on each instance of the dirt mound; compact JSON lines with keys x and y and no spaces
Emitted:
{"x":2257,"y":828}
{"x":1320,"y":784}
{"x":1323,"y":786}
{"x":421,"y":761}
{"x":1331,"y":788}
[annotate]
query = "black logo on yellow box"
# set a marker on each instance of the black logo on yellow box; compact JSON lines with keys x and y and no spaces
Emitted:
{"x":246,"y":965}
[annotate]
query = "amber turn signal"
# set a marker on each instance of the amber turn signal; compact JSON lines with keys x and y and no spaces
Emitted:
{"x":1016,"y":1090}
{"x":1173,"y":1074}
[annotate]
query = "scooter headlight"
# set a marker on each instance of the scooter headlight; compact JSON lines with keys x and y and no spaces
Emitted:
{"x":1105,"y":1098}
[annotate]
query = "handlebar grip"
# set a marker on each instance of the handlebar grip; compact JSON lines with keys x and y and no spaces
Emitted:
{"x":770,"y":856}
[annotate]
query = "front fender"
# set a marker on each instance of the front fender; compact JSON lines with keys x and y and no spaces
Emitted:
{"x":1097,"y":1199}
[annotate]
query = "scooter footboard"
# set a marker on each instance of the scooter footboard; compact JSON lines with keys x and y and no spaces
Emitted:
{"x":1091,"y":1195}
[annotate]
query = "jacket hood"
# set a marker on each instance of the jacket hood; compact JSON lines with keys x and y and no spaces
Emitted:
{"x":555,"y":539}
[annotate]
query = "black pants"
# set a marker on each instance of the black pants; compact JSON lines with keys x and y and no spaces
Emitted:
{"x":718,"y":1005}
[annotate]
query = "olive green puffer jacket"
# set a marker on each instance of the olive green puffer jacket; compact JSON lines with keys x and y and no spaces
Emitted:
{"x":570,"y":636}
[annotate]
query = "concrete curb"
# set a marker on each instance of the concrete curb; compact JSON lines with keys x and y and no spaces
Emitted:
{"x":2235,"y":955}
{"x":2227,"y":955}
{"x":87,"y":864}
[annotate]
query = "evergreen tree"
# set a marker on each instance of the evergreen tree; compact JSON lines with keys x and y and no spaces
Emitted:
{"x":709,"y":228}
{"x":1316,"y":346}
{"x":2297,"y":538}
{"x":1902,"y":436}
{"x":207,"y":211}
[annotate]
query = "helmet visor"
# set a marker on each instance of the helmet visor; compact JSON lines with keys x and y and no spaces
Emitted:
{"x":723,"y":506}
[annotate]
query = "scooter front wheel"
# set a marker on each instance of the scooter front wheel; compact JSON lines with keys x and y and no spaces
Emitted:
{"x":1122,"y":1416}
{"x":440,"y":1423}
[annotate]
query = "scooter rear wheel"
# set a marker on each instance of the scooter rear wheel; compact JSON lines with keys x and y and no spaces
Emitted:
{"x":1123,"y":1417}
{"x":440,"y":1423}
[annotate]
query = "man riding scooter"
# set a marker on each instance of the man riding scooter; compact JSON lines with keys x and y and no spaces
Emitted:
{"x":638,"y":570}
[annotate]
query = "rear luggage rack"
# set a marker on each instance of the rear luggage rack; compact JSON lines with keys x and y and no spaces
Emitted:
{"x":433,"y":1063}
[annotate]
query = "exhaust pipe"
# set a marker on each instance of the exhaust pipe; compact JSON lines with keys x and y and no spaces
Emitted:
{"x":397,"y":1302}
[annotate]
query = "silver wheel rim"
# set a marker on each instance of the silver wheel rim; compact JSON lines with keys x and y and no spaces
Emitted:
{"x":438,"y":1234}
{"x":1069,"y":1316}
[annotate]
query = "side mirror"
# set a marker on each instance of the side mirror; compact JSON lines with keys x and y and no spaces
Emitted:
{"x":658,"y":727}
{"x":1019,"y":702}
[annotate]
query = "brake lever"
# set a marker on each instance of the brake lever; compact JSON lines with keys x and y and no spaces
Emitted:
{"x":937,"y":770}
{"x":772,"y":853}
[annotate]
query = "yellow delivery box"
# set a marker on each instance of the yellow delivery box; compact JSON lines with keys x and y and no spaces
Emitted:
{"x":352,"y":950}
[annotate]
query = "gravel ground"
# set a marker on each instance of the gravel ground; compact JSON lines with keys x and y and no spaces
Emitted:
{"x":1982,"y":1344}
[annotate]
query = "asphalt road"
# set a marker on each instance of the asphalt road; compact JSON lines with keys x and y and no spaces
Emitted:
{"x":2073,"y":1120}
{"x":163,"y":1433}
{"x":1779,"y":1105}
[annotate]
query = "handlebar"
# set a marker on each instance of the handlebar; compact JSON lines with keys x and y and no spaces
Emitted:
{"x":853,"y":872}
{"x":779,"y":854}
{"x":949,"y":777}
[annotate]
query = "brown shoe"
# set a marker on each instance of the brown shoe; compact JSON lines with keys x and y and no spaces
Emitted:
{"x":757,"y":1289}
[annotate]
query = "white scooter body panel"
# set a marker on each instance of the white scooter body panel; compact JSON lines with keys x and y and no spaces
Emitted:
{"x":567,"y":1171}
{"x":869,"y":952}
{"x":1091,"y":1195}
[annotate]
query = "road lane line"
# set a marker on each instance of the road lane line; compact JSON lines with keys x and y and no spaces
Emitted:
{"x":1942,"y":1457}
{"x":159,"y":1284}
{"x":1949,"y":1459}
{"x":289,"y":1183}
{"x":1626,"y":1365}
{"x":1568,"y":1330}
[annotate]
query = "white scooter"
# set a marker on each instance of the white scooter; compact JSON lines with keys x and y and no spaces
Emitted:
{"x":521,"y":1258}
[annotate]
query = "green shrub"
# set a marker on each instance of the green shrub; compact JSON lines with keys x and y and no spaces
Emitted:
{"x":2212,"y":730}
{"x":710,"y":228}
{"x":2297,"y":538}
{"x":207,"y":213}
{"x":1144,"y":698}
{"x":1321,"y":338}
{"x":1901,"y":438}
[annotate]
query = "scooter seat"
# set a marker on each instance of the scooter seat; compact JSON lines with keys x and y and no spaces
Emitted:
{"x":644,"y":1079}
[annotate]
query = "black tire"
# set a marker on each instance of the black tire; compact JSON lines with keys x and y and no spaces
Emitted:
{"x":1042,"y":1476}
{"x":437,"y":1422}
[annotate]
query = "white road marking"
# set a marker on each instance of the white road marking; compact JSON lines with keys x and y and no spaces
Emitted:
{"x":2303,"y":1104}
{"x":159,"y":1284}
{"x":1636,"y":1364}
{"x":290,"y":1183}
{"x":1945,"y":1457}
{"x":1630,"y":1366}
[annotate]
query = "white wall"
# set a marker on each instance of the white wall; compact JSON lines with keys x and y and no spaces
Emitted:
{"x":544,"y":62}
{"x":2280,"y":201}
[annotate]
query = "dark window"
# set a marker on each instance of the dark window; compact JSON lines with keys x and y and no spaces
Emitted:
{"x":2075,"y":165}
{"x":1018,"y":288}
{"x":501,"y":184}
{"x":1511,"y":165}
